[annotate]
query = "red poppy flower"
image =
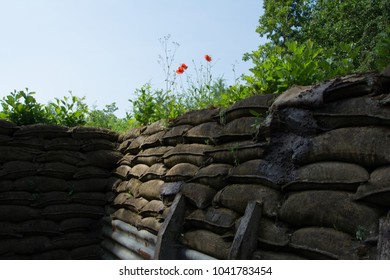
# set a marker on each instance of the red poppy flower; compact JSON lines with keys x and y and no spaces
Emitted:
{"x":180,"y":70}
{"x":207,"y":57}
{"x":184,"y":66}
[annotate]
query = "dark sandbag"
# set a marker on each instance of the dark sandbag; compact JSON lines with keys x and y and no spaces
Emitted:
{"x":53,"y":255}
{"x":89,"y":185}
{"x":123,"y":146}
{"x":97,"y":145}
{"x":367,"y":146}
{"x":239,"y":129}
{"x":66,"y":143}
{"x":50,"y":198}
{"x":328,"y":209}
{"x":122,"y":171}
{"x":75,"y":240}
{"x":79,"y":225}
{"x":205,"y":133}
{"x":323,"y":243}
{"x":329,"y":175}
{"x":196,"y":117}
{"x":153,"y":140}
{"x":7,"y":128}
{"x":6,"y":185}
{"x":126,"y":160}
{"x":258,"y":103}
{"x":67,"y":211}
{"x":69,"y":157}
{"x":218,"y":220}
{"x":120,"y":199}
{"x":169,"y":191}
{"x":39,"y":228}
{"x":257,"y":171}
{"x":237,"y":196}
{"x":91,"y":172}
{"x":175,"y":135}
{"x":58,"y":170}
{"x":199,"y":195}
{"x":29,"y":143}
{"x":207,"y":242}
{"x":132,"y":134}
{"x":151,"y":224}
{"x":151,"y":190}
{"x":89,"y":198}
{"x":105,"y":159}
{"x":91,"y":252}
{"x":181,"y":172}
{"x":156,"y":171}
{"x":361,"y":111}
{"x":155,"y":127}
{"x":272,"y":234}
{"x":47,"y":131}
{"x":270,"y":255}
{"x":151,"y":156}
{"x":236,"y":152}
{"x":8,"y":153}
{"x":130,"y":186}
{"x":9,"y":230}
{"x":87,"y":133}
{"x":134,"y":204}
{"x":18,"y":169}
{"x":377,"y":189}
{"x":187,"y":153}
{"x":214,"y":175}
{"x":137,"y":171}
{"x":37,"y":184}
{"x":32,"y":245}
{"x":16,"y":198}
{"x":5,"y":139}
{"x":18,"y":213}
{"x":135,"y":145}
{"x":152,"y":209}
{"x":6,"y":247}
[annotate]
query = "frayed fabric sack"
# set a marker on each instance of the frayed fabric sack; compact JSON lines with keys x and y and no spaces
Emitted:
{"x":181,"y":172}
{"x":187,"y":153}
{"x":215,"y":175}
{"x":199,"y":195}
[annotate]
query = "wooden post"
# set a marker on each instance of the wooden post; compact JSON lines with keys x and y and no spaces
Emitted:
{"x":384,"y":238}
{"x":167,"y":246}
{"x":245,"y":241}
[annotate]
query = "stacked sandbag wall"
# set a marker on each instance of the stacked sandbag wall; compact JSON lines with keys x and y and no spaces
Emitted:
{"x":316,"y":157}
{"x":55,"y":184}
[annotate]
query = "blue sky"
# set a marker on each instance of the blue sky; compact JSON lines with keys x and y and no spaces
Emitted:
{"x":105,"y":49}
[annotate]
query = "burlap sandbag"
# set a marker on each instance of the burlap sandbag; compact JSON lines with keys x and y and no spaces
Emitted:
{"x":218,"y":220}
{"x":156,"y":171}
{"x":65,"y":143}
{"x":205,"y":133}
{"x":86,"y":133}
{"x":16,"y":198}
{"x":236,"y":152}
{"x":181,"y":172}
{"x":97,"y":145}
{"x":58,"y":170}
{"x":5,"y":139}
{"x":8,"y":153}
{"x":7,"y":128}
{"x":175,"y":135}
{"x":196,"y":117}
{"x":132,"y":134}
{"x":9,"y":230}
{"x":91,"y":252}
{"x":122,"y":171}
{"x":207,"y":242}
{"x":50,"y":198}
{"x":91,"y":172}
{"x":89,"y":198}
{"x":151,"y":224}
{"x":89,"y":185}
{"x":47,"y":131}
{"x":6,"y":185}
{"x":323,"y":243}
{"x":134,"y":204}
{"x":120,"y":199}
{"x":79,"y":225}
{"x":152,"y":209}
{"x":377,"y":189}
{"x":169,"y":191}
{"x":135,"y":145}
{"x":40,"y":184}
{"x":187,"y":153}
{"x":239,"y":129}
{"x":18,"y":169}
{"x":39,"y":227}
{"x":155,"y":127}
{"x":237,"y":196}
{"x":53,"y":255}
{"x":199,"y":195}
{"x":257,"y":171}
{"x":32,"y":245}
{"x":367,"y":146}
{"x":153,"y":140}
{"x":67,"y":211}
{"x":215,"y":175}
{"x":126,"y":160}
{"x":75,"y":240}
{"x":18,"y":213}
{"x":69,"y":157}
{"x":272,"y":234}
{"x":151,"y":190}
{"x":127,"y":216}
{"x":130,"y":186}
{"x":270,"y":255}
{"x":151,"y":156}
{"x":124,"y":145}
{"x":328,"y":175}
{"x":105,"y":159}
{"x":137,"y":171}
{"x":328,"y":209}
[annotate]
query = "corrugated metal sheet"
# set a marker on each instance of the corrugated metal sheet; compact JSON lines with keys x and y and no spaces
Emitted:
{"x":126,"y":242}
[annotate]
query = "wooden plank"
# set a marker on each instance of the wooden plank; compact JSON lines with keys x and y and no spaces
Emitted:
{"x":245,"y":240}
{"x":167,"y":247}
{"x":384,"y":238}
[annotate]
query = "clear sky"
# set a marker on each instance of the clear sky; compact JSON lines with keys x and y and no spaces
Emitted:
{"x":105,"y":49}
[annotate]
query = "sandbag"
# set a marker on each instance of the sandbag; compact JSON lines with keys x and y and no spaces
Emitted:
{"x":196,"y":117}
{"x":377,"y":189}
{"x":53,"y":255}
{"x":150,"y":224}
{"x":134,"y":204}
{"x":199,"y":195}
{"x":9,"y":230}
{"x":135,"y":145}
{"x":175,"y":135}
{"x":6,"y":185}
{"x":328,"y":209}
{"x":39,"y":228}
{"x":91,"y":172}
{"x":87,"y":133}
{"x":91,"y":252}
{"x":16,"y":198}
{"x":367,"y":146}
{"x":214,"y":175}
{"x":152,"y":209}
{"x":46,"y":131}
{"x":68,"y":157}
{"x":155,"y":127}
{"x":181,"y":172}
{"x":50,"y":198}
{"x":67,"y":211}
{"x":151,"y":190}
{"x":97,"y":145}
{"x":328,"y":175}
{"x":272,"y":234}
{"x":65,"y":143}
{"x":58,"y":170}
{"x":205,"y":133}
{"x":237,"y":196}
{"x":151,"y":156}
{"x":105,"y":159}
{"x":32,"y":245}
{"x":89,"y":198}
{"x":130,"y":186}
{"x":207,"y":242}
{"x":120,"y":199}
{"x":7,"y":128}
{"x":323,"y":243}
{"x":156,"y":171}
{"x":40,"y":184}
{"x":187,"y":153}
{"x":270,"y":255}
{"x":169,"y":191}
{"x":18,"y":169}
{"x":218,"y":220}
{"x":153,"y":140}
{"x":8,"y":153}
{"x":239,"y":129}
{"x":236,"y":153}
{"x":79,"y":225}
{"x":89,"y":185}
{"x":75,"y":240}
{"x":122,"y":171}
{"x":132,"y":134}
{"x":18,"y":213}
{"x":126,"y":160}
{"x":137,"y":171}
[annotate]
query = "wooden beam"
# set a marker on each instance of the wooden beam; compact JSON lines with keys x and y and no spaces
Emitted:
{"x":384,"y":238}
{"x":245,"y":240}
